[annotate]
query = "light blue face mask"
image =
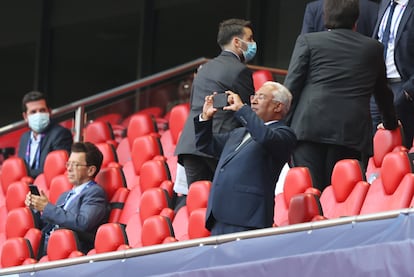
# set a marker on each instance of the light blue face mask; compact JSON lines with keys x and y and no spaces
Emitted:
{"x":38,"y":121}
{"x":250,"y":51}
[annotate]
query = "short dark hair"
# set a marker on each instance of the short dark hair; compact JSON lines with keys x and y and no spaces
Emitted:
{"x":93,"y":155}
{"x":340,"y":13}
{"x":33,"y":96}
{"x":230,"y":28}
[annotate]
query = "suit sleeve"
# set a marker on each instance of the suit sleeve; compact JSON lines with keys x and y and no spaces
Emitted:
{"x":206,"y":142}
{"x":297,"y":72}
{"x":308,"y":18}
{"x":243,"y":85}
{"x":384,"y":96}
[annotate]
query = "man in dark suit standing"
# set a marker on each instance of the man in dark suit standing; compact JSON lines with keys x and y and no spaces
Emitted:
{"x":44,"y":135}
{"x":332,"y":76}
{"x":82,"y":209}
{"x":225,"y":72}
{"x":399,"y":59}
{"x":313,"y":17}
{"x":250,"y":158}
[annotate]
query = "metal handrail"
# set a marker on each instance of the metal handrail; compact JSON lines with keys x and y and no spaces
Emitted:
{"x":78,"y":107}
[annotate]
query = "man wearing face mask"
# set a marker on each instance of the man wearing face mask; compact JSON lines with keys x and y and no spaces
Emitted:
{"x":225,"y":72}
{"x":44,"y":135}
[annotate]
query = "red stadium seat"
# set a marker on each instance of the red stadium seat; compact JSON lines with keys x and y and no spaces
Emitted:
{"x":144,"y":148}
{"x":298,"y":180}
{"x":63,"y":243}
{"x":98,"y":132}
{"x":304,"y":207}
{"x":385,"y":141}
{"x":17,"y":251}
{"x":21,"y":223}
{"x":58,"y":185}
{"x":260,"y":77}
{"x":152,"y":202}
{"x":110,"y":237}
{"x":55,"y":164}
{"x":197,"y":198}
{"x":140,"y":124}
{"x":346,"y":194}
{"x":157,"y":229}
{"x":196,"y":224}
{"x":394,"y":189}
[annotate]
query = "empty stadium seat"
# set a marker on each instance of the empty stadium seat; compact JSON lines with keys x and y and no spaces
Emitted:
{"x":152,"y":202}
{"x":21,"y":223}
{"x":346,"y":193}
{"x":298,"y":180}
{"x":169,"y":138}
{"x":15,"y":196}
{"x":98,"y":132}
{"x":55,"y":164}
{"x":139,"y":125}
{"x":394,"y":188}
{"x":144,"y":148}
{"x":63,"y":244}
{"x":196,"y":224}
{"x":157,"y":229}
{"x":260,"y":77}
{"x":110,"y":158}
{"x":110,"y":237}
{"x":13,"y":169}
{"x":304,"y":207}
{"x":117,"y":203}
{"x":17,"y":251}
{"x":197,"y":198}
{"x":384,"y":141}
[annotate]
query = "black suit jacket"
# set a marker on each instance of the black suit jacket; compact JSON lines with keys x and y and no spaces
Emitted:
{"x":313,"y":20}
{"x":225,"y":72}
{"x":244,"y":182}
{"x":404,"y":45}
{"x":332,"y":76}
{"x":56,"y":137}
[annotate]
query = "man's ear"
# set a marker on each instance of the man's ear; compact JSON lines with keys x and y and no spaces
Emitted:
{"x":91,"y":170}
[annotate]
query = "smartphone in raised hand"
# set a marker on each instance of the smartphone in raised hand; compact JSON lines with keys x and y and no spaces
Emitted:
{"x":34,"y":190}
{"x":220,"y":100}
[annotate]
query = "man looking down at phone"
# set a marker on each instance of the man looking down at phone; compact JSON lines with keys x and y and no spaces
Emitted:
{"x":250,"y":158}
{"x":82,"y":209}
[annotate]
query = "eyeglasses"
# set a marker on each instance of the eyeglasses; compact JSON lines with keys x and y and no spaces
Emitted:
{"x":74,"y":164}
{"x":259,"y":96}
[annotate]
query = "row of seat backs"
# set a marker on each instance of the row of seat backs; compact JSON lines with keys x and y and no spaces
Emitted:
{"x":156,"y":228}
{"x":349,"y":194}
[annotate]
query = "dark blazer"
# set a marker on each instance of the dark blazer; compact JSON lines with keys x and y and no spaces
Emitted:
{"x":313,"y":20}
{"x":404,"y":45}
{"x":244,"y":183}
{"x":85,"y":213}
{"x":332,"y":76}
{"x":56,"y":137}
{"x":225,"y":72}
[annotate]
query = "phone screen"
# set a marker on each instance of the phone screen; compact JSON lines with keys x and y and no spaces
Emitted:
{"x":220,"y":100}
{"x":34,"y":190}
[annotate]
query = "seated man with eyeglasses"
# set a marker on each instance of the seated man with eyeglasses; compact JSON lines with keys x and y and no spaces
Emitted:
{"x":82,"y":209}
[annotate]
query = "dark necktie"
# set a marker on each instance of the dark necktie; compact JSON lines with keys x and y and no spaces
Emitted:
{"x":387,"y":30}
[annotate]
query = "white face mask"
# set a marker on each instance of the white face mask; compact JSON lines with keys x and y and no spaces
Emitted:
{"x":38,"y":121}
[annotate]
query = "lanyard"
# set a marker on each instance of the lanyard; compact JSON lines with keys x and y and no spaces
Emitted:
{"x":36,"y":162}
